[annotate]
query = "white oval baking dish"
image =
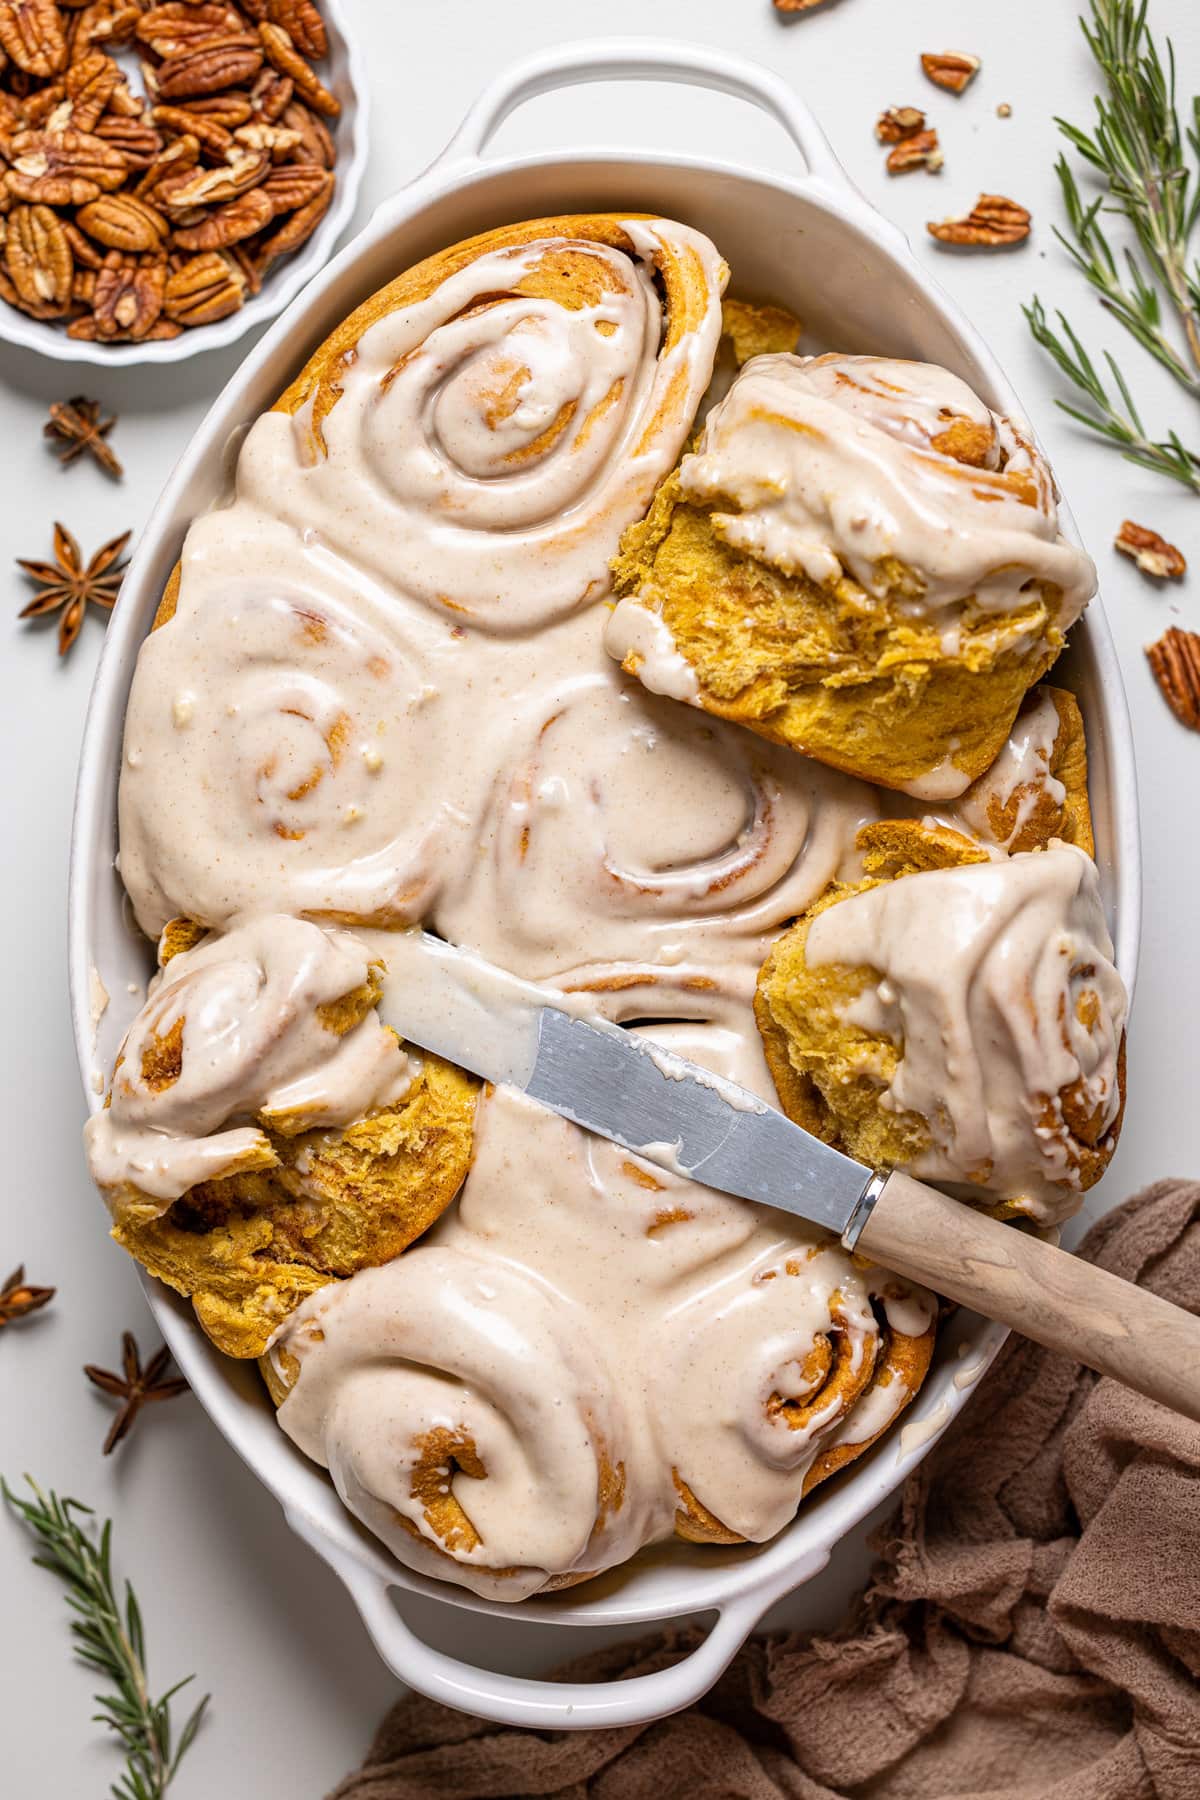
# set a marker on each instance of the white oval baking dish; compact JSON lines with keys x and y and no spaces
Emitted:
{"x":811,"y":242}
{"x":345,"y":75}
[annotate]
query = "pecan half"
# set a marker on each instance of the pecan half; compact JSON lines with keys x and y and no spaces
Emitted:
{"x":129,"y":295}
{"x":38,"y":256}
{"x":107,"y":22}
{"x":899,"y":122}
{"x":950,"y":69}
{"x":283,"y":55}
{"x":31,"y":34}
{"x":1152,"y":553}
{"x":206,"y":288}
{"x":276,"y":140}
{"x":171,"y":30}
{"x":992,"y":222}
{"x":82,"y":249}
{"x":316,"y":145}
{"x":184,"y":153}
{"x":920,"y":151}
{"x":226,"y":110}
{"x":303,"y":24}
{"x":123,"y":222}
{"x":222,"y":63}
{"x":271,"y":93}
{"x":1175,"y":664}
{"x":89,"y":86}
{"x":212,"y":187}
{"x":295,"y":184}
{"x":298,"y":228}
{"x":228,"y":224}
{"x":206,"y":131}
{"x":136,"y":139}
{"x":65,"y":168}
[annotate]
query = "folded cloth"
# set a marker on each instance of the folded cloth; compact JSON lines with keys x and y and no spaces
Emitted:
{"x":1032,"y":1632}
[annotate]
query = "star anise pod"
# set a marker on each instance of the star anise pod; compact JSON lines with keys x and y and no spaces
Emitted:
{"x":77,"y":425}
{"x":70,"y":584}
{"x":19,"y":1298}
{"x":135,"y":1387}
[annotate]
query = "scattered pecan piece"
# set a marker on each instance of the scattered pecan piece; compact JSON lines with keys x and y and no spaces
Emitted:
{"x":129,"y":295}
{"x":122,"y":222}
{"x":37,"y":256}
{"x":899,"y":122}
{"x":68,"y":168}
{"x":920,"y":151}
{"x":797,"y":6}
{"x":31,"y":34}
{"x":950,"y":69}
{"x":1152,"y":553}
{"x":283,"y":55}
{"x":1175,"y":664}
{"x":207,"y":287}
{"x":992,"y":222}
{"x":78,"y":426}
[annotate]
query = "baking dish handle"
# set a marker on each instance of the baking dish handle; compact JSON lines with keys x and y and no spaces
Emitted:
{"x":643,"y":59}
{"x":547,"y":1705}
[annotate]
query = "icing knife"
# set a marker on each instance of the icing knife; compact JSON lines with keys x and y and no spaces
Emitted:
{"x":683,"y":1118}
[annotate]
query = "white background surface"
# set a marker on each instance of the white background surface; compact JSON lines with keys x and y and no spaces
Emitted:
{"x":225,"y":1588}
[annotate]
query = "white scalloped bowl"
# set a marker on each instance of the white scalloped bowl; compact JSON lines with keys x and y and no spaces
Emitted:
{"x":344,"y":74}
{"x":811,"y":242}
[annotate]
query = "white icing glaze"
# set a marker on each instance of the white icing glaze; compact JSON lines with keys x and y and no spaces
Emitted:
{"x":980,"y":972}
{"x":252,"y":1043}
{"x":641,"y":640}
{"x":1022,"y":768}
{"x":830,"y":466}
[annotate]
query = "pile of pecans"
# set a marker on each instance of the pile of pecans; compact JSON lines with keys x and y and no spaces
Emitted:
{"x":128,"y":215}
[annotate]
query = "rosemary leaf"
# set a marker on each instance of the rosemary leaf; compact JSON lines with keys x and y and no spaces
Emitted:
{"x":109,"y":1640}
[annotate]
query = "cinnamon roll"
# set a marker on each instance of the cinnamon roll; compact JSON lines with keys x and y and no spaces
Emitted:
{"x":265,"y":1132}
{"x":956,"y":1014}
{"x":588,"y":1352}
{"x":859,"y":560}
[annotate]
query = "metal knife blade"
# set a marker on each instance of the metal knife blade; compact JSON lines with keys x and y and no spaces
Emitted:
{"x":609,"y":1080}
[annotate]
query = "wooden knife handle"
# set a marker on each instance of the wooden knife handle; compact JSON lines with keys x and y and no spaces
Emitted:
{"x":1044,"y":1293}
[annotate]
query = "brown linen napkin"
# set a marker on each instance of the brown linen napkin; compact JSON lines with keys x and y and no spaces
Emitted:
{"x":1032,"y":1633}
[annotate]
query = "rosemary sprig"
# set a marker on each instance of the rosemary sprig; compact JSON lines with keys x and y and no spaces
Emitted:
{"x":1120,"y":423}
{"x":110,"y":1639}
{"x":1138,"y":148}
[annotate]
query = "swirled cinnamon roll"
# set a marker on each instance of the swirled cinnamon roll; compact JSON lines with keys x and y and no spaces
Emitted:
{"x":859,"y":560}
{"x":265,"y":1132}
{"x":568,"y":1368}
{"x":957,"y":1014}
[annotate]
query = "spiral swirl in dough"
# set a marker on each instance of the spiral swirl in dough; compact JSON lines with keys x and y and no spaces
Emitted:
{"x":768,"y":1370}
{"x":274,"y":1022}
{"x":274,"y":743}
{"x":629,"y":841}
{"x":483,"y":429}
{"x":467,"y":1415}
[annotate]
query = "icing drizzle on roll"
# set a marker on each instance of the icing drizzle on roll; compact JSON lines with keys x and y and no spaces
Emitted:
{"x":835,"y":464}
